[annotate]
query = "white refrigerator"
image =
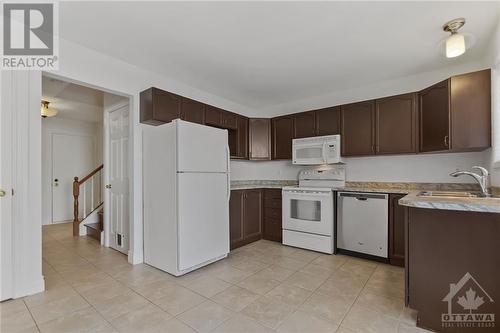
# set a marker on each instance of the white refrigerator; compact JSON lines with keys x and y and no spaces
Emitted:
{"x":186,"y":189}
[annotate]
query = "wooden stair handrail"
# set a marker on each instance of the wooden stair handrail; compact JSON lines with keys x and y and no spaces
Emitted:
{"x":76,"y":194}
{"x":87,"y":177}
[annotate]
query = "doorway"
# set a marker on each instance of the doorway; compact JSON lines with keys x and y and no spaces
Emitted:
{"x":87,"y":138}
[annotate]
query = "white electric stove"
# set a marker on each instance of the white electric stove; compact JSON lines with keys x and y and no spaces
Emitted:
{"x":309,"y":209}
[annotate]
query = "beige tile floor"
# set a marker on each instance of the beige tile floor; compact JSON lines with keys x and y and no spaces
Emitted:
{"x":262,"y":287}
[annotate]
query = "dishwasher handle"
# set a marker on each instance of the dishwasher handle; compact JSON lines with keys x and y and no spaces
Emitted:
{"x":363,"y":196}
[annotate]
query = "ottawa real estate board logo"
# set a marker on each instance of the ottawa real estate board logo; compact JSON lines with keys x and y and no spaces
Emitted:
{"x":29,"y":36}
{"x":469,"y":305}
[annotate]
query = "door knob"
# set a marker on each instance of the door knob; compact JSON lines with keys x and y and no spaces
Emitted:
{"x":108,"y":186}
{"x":2,"y":193}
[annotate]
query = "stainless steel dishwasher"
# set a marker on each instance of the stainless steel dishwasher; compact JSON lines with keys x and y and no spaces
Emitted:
{"x":362,"y":222}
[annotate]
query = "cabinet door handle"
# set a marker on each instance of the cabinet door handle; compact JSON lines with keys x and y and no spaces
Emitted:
{"x":446,"y":140}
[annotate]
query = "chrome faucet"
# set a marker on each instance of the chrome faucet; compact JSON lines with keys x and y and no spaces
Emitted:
{"x":482,"y":178}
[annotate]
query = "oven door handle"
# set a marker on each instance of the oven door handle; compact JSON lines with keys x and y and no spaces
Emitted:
{"x":294,"y":194}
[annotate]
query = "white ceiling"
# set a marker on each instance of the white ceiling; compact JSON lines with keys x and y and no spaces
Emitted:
{"x":73,"y":101}
{"x":262,"y":54}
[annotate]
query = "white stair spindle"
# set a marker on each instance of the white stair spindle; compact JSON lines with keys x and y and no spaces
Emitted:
{"x":84,"y":200}
{"x":92,"y":195}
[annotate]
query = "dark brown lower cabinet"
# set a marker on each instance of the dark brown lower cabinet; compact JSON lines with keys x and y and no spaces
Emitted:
{"x":245,"y":217}
{"x":236,"y":219}
{"x":252,"y":215}
{"x":453,"y":268}
{"x":397,"y":217}
{"x":272,"y":215}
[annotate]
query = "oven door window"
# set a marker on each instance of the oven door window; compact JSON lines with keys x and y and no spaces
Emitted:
{"x":305,"y":210}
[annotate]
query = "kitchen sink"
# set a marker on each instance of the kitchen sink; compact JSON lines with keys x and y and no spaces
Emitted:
{"x":452,"y":194}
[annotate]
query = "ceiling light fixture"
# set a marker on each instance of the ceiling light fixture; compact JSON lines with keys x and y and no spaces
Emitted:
{"x":455,"y":44}
{"x":46,"y":111}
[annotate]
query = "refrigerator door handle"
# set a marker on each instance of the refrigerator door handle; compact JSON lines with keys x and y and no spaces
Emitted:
{"x":228,"y":152}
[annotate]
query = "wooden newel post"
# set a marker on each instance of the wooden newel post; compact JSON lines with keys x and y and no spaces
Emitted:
{"x":76,"y":194}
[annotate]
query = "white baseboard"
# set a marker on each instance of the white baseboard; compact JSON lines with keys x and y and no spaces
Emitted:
{"x":36,"y":287}
{"x":134,"y":259}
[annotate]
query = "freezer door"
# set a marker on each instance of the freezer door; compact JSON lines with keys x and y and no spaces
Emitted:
{"x":203,"y":217}
{"x":201,"y":148}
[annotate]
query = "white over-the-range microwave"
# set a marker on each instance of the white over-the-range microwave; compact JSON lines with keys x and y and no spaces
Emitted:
{"x":316,"y":150}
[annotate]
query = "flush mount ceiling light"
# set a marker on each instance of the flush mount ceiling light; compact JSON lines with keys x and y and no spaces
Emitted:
{"x":455,"y":43}
{"x":46,"y":111}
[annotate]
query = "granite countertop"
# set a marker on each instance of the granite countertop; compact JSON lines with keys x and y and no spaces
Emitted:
{"x":485,"y":205}
{"x":250,"y":184}
{"x":491,"y":205}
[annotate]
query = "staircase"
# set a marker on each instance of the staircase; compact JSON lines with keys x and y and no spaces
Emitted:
{"x":94,"y":229}
{"x":88,"y":204}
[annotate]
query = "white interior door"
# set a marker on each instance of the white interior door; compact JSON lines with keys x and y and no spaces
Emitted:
{"x":116,"y":166}
{"x":72,"y":156}
{"x":6,"y":153}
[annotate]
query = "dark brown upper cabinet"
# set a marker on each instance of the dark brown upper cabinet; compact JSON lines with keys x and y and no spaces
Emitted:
{"x":282,"y":136}
{"x":158,"y":107}
{"x":451,"y":116}
{"x":455,"y":114}
{"x":357,"y":127}
{"x":328,"y":121}
{"x":396,"y":124}
{"x":242,"y":137}
{"x":434,"y":117}
{"x":192,"y":111}
{"x":259,"y":135}
{"x":229,"y":120}
{"x":213,"y":116}
{"x":471,"y":111}
{"x":238,"y":137}
{"x":304,"y":125}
